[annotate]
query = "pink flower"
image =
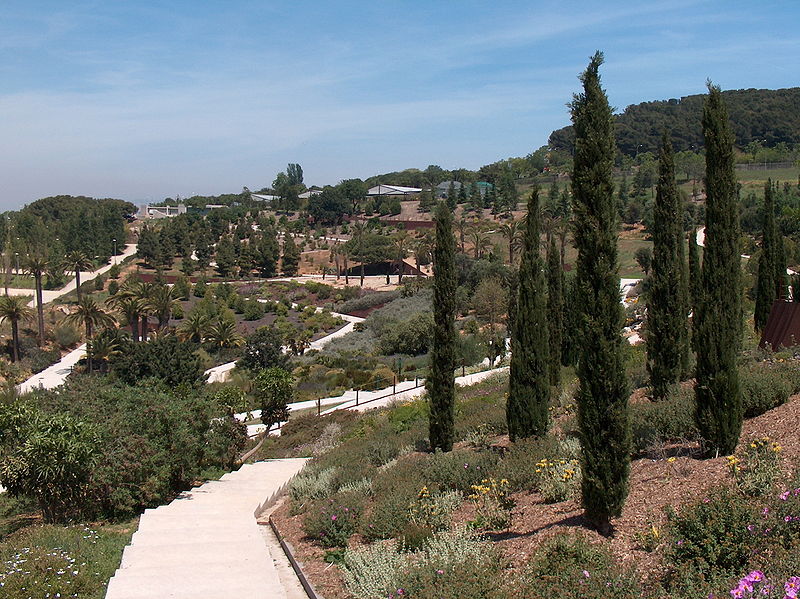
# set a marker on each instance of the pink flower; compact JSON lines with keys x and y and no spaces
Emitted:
{"x":586,"y":574}
{"x":785,"y":495}
{"x":440,"y":571}
{"x":333,"y":517}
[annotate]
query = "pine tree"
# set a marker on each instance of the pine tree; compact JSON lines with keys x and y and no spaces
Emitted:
{"x":291,"y":256}
{"x":529,"y":378}
{"x":603,"y":394}
{"x":768,"y":282}
{"x":225,"y":256}
{"x":475,"y":198}
{"x":718,"y":319}
{"x":452,"y":196}
{"x":148,"y":247}
{"x":462,"y":193}
{"x":667,"y":327}
{"x":441,"y":382}
{"x":555,"y":310}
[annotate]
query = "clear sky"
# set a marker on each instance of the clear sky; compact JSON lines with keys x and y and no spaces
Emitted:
{"x":143,"y":100}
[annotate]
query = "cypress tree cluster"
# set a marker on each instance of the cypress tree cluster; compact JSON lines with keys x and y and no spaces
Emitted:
{"x":555,"y":310}
{"x":771,"y":264}
{"x":718,"y":315}
{"x":441,"y":382}
{"x":603,"y":395}
{"x":529,"y":379}
{"x":695,"y":289}
{"x":667,"y":306}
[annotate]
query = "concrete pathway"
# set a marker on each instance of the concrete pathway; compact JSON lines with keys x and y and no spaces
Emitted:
{"x":50,"y":295}
{"x":54,"y":375}
{"x":207,"y":543}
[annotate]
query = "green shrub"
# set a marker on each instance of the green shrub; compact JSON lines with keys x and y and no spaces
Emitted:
{"x":65,"y":336}
{"x":763,"y":388}
{"x":668,"y":420}
{"x":40,"y":359}
{"x":433,"y":510}
{"x":569,"y":566}
{"x":711,"y":537}
{"x":459,"y":470}
{"x":331,"y":522}
{"x":312,"y":484}
{"x":755,"y":473}
{"x":99,"y":283}
{"x":518,"y":465}
{"x":177,"y":312}
{"x":372,"y":572}
{"x":113,"y":287}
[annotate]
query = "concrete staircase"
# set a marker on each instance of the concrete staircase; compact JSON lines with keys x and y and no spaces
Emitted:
{"x":206,"y":543}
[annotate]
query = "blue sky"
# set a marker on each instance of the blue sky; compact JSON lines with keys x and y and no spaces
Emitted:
{"x":142,"y":100}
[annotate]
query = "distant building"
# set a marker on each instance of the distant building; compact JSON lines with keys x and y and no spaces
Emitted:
{"x":393,"y":191}
{"x":311,"y":191}
{"x":264,"y":197}
{"x":161,"y":211}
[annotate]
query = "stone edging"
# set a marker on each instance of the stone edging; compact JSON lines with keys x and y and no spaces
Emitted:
{"x":287,"y":549}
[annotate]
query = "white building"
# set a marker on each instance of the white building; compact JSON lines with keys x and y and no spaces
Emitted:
{"x":393,"y":190}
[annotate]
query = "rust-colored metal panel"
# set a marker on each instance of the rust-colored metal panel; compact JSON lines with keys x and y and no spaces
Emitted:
{"x":783,"y":326}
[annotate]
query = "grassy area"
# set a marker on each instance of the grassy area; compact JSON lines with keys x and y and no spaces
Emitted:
{"x":628,"y":268}
{"x":53,"y":561}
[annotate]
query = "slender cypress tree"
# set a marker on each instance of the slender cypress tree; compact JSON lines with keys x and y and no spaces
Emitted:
{"x":718,"y":318}
{"x":695,"y":289}
{"x":529,"y":380}
{"x":667,"y":327}
{"x":555,"y":310}
{"x":768,"y":282}
{"x":441,"y":381}
{"x":603,"y":395}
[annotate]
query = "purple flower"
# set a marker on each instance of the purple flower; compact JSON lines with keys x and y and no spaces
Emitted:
{"x":586,"y":573}
{"x":785,"y":495}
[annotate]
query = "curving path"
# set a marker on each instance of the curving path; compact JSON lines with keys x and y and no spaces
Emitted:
{"x":207,"y":542}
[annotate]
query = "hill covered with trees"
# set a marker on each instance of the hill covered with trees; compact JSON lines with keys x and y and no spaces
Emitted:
{"x":759,"y":117}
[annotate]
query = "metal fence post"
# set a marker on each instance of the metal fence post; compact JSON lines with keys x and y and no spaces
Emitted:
{"x":394,"y":385}
{"x":356,"y":396}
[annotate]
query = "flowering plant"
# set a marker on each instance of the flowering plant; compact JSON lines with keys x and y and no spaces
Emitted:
{"x":492,"y":504}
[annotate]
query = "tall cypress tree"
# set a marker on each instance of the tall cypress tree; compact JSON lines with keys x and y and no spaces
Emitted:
{"x":441,"y":382}
{"x":667,"y":328}
{"x":529,"y":380}
{"x":555,"y":310}
{"x":695,"y":289}
{"x":718,"y":318}
{"x":768,"y":283}
{"x":603,"y":395}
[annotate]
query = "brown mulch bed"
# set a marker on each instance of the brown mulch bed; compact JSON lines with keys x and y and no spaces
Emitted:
{"x":654,"y":485}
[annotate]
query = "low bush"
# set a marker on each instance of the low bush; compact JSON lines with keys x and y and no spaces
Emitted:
{"x":66,"y":336}
{"x":459,"y":470}
{"x":517,"y":466}
{"x":433,"y":510}
{"x":712,"y":536}
{"x":668,"y":420}
{"x":331,"y":522}
{"x":312,"y":484}
{"x":569,"y":566}
{"x":365,"y":302}
{"x":758,"y":468}
{"x":40,"y":359}
{"x":763,"y":387}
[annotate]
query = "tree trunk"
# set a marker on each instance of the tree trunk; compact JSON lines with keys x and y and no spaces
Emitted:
{"x":346,"y":272}
{"x":88,"y":345}
{"x":78,"y":283}
{"x":15,"y":340}
{"x":40,"y":308}
{"x":362,"y":274}
{"x":134,"y":324}
{"x":144,"y":328}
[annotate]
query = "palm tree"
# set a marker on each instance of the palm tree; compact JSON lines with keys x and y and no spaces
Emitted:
{"x":77,"y":261}
{"x":141,"y":291}
{"x":14,"y":309}
{"x":401,"y":241}
{"x":108,"y":344}
{"x":130,"y":308}
{"x":92,"y":317}
{"x":462,"y":227}
{"x":194,"y":327}
{"x":36,"y":266}
{"x":161,"y":300}
{"x":513,"y":233}
{"x":222,"y":333}
{"x":480,"y":242}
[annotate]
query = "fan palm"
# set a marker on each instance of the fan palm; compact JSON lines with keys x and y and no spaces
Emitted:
{"x":130,"y":308}
{"x":400,"y":242}
{"x":105,"y":346}
{"x":223,"y":333}
{"x":77,"y":261}
{"x":480,"y":242}
{"x":92,"y":317}
{"x":194,"y":327}
{"x":161,"y":299}
{"x":513,"y":234}
{"x":14,"y":309}
{"x":36,"y":265}
{"x":142,"y":292}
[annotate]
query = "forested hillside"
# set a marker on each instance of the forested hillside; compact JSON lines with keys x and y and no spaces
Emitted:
{"x":761,"y":116}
